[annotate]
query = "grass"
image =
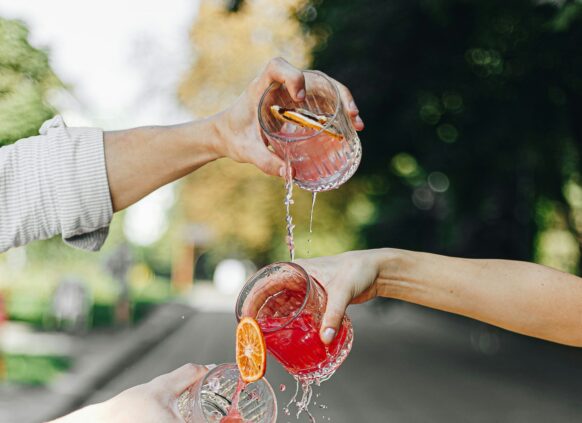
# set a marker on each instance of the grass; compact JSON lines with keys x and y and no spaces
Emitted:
{"x":32,"y":370}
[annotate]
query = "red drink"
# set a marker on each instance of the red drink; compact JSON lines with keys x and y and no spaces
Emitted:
{"x":289,"y":304}
{"x":298,"y":346}
{"x":234,"y":415}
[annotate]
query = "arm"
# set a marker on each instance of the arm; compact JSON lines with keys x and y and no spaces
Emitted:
{"x":143,"y":159}
{"x":70,"y":180}
{"x":155,"y":401}
{"x":527,"y":298}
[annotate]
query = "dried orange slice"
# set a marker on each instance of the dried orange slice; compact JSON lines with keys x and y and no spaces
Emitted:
{"x":251,"y":350}
{"x":305,"y":119}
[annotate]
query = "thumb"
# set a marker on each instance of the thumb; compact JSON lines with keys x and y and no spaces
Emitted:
{"x":337,"y":302}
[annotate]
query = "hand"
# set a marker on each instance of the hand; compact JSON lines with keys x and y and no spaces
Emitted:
{"x":241,"y":138}
{"x":155,"y":401}
{"x":348,"y":278}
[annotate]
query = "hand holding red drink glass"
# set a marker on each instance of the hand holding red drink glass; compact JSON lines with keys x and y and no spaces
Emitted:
{"x":289,"y":304}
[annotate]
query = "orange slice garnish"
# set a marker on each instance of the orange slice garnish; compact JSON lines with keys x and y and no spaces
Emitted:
{"x":251,"y":350}
{"x":305,"y":119}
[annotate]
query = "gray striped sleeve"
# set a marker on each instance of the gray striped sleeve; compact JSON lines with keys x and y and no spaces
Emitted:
{"x":55,"y":183}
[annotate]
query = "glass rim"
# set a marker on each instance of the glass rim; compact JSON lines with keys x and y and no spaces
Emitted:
{"x":274,"y":85}
{"x":233,"y":366}
{"x":299,"y":309}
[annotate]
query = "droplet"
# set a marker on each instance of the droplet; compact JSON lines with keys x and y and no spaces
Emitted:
{"x":214,"y":384}
{"x":282,"y":387}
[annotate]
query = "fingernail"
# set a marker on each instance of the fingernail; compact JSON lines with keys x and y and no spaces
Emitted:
{"x":359,"y":120}
{"x":282,"y":172}
{"x":210,"y":366}
{"x":328,"y":335}
{"x":301,"y":94}
{"x":353,"y":106}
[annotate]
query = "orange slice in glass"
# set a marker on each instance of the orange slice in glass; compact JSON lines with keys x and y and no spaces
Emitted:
{"x":305,"y":119}
{"x":251,"y":350}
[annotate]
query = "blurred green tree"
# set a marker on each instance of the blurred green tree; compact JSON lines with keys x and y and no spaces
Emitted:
{"x":25,"y":81}
{"x":473,"y":113}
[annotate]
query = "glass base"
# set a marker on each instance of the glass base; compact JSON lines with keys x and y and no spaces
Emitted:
{"x":336,"y":180}
{"x":324,"y":373}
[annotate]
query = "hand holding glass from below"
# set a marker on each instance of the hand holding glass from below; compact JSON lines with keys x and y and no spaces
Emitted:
{"x":210,"y":400}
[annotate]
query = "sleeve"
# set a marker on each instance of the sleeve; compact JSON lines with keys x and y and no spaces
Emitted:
{"x":55,"y":183}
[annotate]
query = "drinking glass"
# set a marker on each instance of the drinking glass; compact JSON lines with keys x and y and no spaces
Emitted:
{"x":288,"y":304}
{"x":208,"y":400}
{"x":320,"y":159}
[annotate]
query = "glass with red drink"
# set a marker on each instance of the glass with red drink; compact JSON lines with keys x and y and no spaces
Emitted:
{"x":288,"y":304}
{"x":314,"y":136}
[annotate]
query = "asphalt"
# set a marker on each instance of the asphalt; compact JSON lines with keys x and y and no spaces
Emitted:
{"x":408,"y":365}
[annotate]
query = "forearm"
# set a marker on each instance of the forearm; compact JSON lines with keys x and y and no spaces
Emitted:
{"x":140,"y":160}
{"x":522,"y":297}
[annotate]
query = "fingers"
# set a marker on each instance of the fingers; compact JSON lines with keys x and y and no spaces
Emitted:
{"x":350,"y":104}
{"x":279,"y":70}
{"x":269,"y":162}
{"x":337,"y":302}
{"x":180,"y":379}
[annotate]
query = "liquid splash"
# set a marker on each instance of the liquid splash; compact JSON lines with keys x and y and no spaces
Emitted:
{"x":303,"y":403}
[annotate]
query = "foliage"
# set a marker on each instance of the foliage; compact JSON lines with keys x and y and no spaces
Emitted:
{"x":33,"y":370}
{"x":25,"y":81}
{"x":473,"y":120}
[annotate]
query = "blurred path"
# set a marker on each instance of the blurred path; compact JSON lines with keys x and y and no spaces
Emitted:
{"x":97,"y":357}
{"x":408,"y":364}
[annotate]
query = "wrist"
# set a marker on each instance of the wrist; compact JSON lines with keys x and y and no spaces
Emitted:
{"x":200,"y":140}
{"x":396,"y":270}
{"x":221,"y":133}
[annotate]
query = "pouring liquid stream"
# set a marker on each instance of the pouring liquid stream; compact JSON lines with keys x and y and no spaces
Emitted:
{"x":313,"y":198}
{"x":288,"y":202}
{"x":234,"y":415}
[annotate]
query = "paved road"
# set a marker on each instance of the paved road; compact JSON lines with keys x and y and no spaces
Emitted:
{"x":408,"y":365}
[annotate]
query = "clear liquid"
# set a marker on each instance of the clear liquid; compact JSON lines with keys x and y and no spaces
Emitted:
{"x":320,"y":162}
{"x":288,"y":202}
{"x":313,"y":198}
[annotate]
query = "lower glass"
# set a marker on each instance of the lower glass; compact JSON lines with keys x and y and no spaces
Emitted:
{"x":209,"y":400}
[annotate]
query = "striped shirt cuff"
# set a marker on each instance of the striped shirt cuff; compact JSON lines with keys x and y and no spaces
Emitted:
{"x":83,"y":200}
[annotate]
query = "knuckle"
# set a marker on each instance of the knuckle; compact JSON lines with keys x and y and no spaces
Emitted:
{"x":192,"y":368}
{"x":276,"y":62}
{"x":344,"y":90}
